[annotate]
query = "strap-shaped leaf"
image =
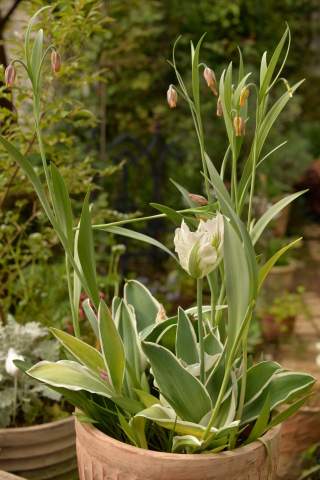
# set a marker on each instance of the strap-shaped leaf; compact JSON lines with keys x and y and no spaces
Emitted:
{"x":225,"y":97}
{"x":145,"y":306}
{"x":266,"y":75}
{"x":237,"y":283}
{"x":261,"y":423}
{"x":270,"y":214}
{"x":112,"y":347}
{"x":195,"y":73}
{"x":185,"y":195}
{"x":185,"y":393}
{"x":283,"y":388}
{"x":91,"y":316}
{"x":287,"y":412}
{"x":137,"y":236}
{"x":176,"y":217}
{"x":69,"y":375}
{"x":258,"y":378}
{"x":186,"y":341}
{"x":267,"y":266}
{"x":62,"y":203}
{"x":126,"y":324}
{"x":86,"y":252}
{"x":84,"y":353}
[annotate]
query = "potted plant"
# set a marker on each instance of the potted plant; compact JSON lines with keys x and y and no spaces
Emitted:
{"x":278,"y":318}
{"x":36,"y":426}
{"x":160,"y":392}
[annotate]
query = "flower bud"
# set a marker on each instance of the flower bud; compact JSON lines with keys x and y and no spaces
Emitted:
{"x":243,"y":96}
{"x":11,"y":369}
{"x":200,"y":252}
{"x":239,"y":126}
{"x":172,"y":97}
{"x":219,"y":107}
{"x":199,"y":199}
{"x":56,"y":61}
{"x":10,"y":76}
{"x":288,"y":88}
{"x":210,"y":79}
{"x":104,"y":375}
{"x":161,"y":315}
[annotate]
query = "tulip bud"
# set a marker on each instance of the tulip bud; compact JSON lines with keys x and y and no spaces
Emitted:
{"x":172,"y":97}
{"x":199,"y":199}
{"x":11,"y":369}
{"x":219,"y":107}
{"x":161,"y":315}
{"x":200,"y":252}
{"x":210,"y":79}
{"x":10,"y":76}
{"x":56,"y":61}
{"x":243,"y":96}
{"x":239,"y":126}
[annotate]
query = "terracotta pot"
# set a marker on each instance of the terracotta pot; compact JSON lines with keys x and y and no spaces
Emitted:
{"x":103,"y":458}
{"x":40,"y":452}
{"x":273,"y":330}
{"x":280,"y":278}
{"x":299,"y":433}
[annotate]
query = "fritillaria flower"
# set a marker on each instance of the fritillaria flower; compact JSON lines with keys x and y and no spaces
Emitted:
{"x":56,"y":61}
{"x":239,"y":126}
{"x":199,"y":199}
{"x":200,"y":252}
{"x":210,"y":79}
{"x":10,"y":76}
{"x":243,"y":96}
{"x":172,"y":97}
{"x":219,"y":107}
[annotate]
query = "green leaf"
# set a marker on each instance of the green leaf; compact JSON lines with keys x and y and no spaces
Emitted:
{"x":185,"y":195}
{"x":181,"y":389}
{"x":263,"y":67}
{"x":195,"y":74}
{"x":84,"y":353}
{"x":37,"y":57}
{"x":237,"y":283}
{"x":27,"y":39}
{"x":258,"y":378}
{"x":186,"y":341}
{"x":128,"y":430}
{"x":84,"y":418}
{"x":287,"y":412}
{"x":69,"y":375}
{"x":267,"y":74}
{"x":236,"y":95}
{"x":283,"y":388}
{"x":145,"y":306}
{"x":126,"y":324}
{"x":146,"y":398}
{"x":62,"y":203}
{"x":173,"y":215}
{"x":267,"y":267}
{"x":112,"y":347}
{"x":185,"y":442}
{"x":86,"y":252}
{"x":128,"y":404}
{"x":225,"y":97}
{"x":91,"y":316}
{"x":261,"y":423}
{"x":138,"y":236}
{"x":270,"y":214}
{"x":241,"y":69}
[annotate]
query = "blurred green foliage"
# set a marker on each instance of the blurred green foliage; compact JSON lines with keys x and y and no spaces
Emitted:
{"x":113,"y":81}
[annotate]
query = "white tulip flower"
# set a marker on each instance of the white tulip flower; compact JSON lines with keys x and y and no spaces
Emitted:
{"x":200,"y":252}
{"x":10,"y":366}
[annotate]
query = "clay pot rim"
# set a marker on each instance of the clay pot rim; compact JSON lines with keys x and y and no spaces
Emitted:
{"x":126,"y":448}
{"x":42,"y":426}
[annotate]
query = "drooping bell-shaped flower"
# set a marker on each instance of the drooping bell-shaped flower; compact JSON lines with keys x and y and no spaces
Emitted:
{"x":200,"y":252}
{"x":11,"y":369}
{"x":10,"y":76}
{"x":243,"y":96}
{"x":239,"y":126}
{"x":56,"y":61}
{"x":172,"y":97}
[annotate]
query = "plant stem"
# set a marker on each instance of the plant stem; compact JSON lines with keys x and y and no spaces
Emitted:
{"x":200,"y":329}
{"x":75,"y":315}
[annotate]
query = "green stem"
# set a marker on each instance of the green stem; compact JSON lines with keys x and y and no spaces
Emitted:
{"x":204,"y":163}
{"x":200,"y":329}
{"x":75,"y":315}
{"x":213,"y":284}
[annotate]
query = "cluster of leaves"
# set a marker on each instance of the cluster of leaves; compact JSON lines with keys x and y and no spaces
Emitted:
{"x":69,"y":120}
{"x":35,"y":402}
